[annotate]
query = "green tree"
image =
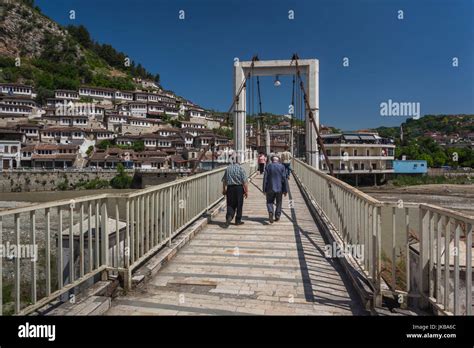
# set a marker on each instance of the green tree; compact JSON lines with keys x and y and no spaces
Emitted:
{"x":427,"y":158}
{"x":122,"y":180}
{"x":138,"y":146}
{"x":89,"y":150}
{"x":439,"y":158}
{"x":226,"y":132}
{"x":81,"y":34}
{"x":104,"y":144}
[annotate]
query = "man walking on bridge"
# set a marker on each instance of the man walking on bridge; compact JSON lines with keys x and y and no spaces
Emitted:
{"x":235,"y":188}
{"x":275,"y":184}
{"x":286,"y":160}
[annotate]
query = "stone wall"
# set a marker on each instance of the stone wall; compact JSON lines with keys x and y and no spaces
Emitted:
{"x":45,"y":180}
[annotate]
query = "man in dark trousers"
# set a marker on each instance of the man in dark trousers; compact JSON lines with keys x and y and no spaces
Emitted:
{"x":275,"y":184}
{"x":235,"y":188}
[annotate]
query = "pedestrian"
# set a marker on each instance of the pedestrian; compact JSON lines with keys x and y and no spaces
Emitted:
{"x":235,"y":188}
{"x":262,"y":159}
{"x":275,"y":185}
{"x":270,"y":156}
{"x":286,"y":161}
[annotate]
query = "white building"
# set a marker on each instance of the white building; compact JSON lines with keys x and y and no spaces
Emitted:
{"x":97,"y":93}
{"x":62,"y":135}
{"x":123,"y":96}
{"x":358,"y":153}
{"x":17,"y":89}
{"x":10,"y":154}
{"x":193,"y":124}
{"x":15,"y":110}
{"x":196,"y":112}
{"x":66,"y":94}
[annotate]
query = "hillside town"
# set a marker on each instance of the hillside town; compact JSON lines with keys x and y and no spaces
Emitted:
{"x":152,"y":129}
{"x":98,"y":128}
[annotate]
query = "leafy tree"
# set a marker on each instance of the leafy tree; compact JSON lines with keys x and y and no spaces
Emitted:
{"x":427,"y":158}
{"x":226,"y":132}
{"x":43,"y":93}
{"x":174,"y":123}
{"x":81,"y":34}
{"x":89,"y":150}
{"x":122,"y":180}
{"x":439,"y":158}
{"x":104,"y":144}
{"x":7,"y":62}
{"x":138,"y":146}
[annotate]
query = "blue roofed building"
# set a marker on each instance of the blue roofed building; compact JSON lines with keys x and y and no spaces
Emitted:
{"x":410,"y":167}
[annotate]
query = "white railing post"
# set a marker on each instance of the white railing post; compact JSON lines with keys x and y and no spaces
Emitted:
{"x":126,"y":253}
{"x":1,"y":267}
{"x":17,"y":265}
{"x":423,"y":276}
{"x":170,"y":220}
{"x":469,"y":231}
{"x":105,"y":234}
{"x":207,"y":192}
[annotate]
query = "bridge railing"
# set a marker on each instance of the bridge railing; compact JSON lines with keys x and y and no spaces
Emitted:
{"x":49,"y":249}
{"x":420,"y":254}
{"x":353,"y":216}
{"x":36,"y":261}
{"x":446,"y":259}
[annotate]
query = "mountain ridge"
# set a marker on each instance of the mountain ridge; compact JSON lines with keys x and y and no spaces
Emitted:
{"x":36,"y":50}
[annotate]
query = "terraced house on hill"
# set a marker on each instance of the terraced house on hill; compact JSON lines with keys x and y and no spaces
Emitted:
{"x":68,"y":130}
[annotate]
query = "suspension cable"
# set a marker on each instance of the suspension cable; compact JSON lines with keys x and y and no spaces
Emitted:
{"x":259,"y":96}
{"x":310,"y":113}
{"x":234,"y":100}
{"x":292,"y":115}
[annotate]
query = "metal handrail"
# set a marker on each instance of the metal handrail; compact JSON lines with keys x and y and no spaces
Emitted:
{"x":75,"y":239}
{"x":397,"y":237}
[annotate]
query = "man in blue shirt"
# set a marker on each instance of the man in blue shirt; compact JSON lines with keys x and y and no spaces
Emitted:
{"x":275,"y":184}
{"x":234,"y":187}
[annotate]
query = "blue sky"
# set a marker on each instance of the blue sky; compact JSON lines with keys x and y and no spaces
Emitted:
{"x":407,"y":60}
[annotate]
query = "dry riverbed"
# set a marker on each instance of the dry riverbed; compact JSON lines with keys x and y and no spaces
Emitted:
{"x":455,"y":197}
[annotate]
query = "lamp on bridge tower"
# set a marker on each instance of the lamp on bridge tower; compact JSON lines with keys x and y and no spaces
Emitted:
{"x":277,"y":82}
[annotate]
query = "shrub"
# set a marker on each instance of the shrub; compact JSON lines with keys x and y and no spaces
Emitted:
{"x":89,"y":150}
{"x":63,"y":185}
{"x":122,"y":180}
{"x":94,"y":184}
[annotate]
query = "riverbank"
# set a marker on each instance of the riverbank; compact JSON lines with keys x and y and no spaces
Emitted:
{"x":41,"y":181}
{"x":451,"y":196}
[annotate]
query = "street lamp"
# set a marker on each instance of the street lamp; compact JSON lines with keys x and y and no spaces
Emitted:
{"x":277,"y":82}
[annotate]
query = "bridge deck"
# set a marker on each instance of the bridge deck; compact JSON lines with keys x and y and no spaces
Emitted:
{"x":255,"y":268}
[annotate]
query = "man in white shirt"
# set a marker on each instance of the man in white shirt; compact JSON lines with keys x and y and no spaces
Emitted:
{"x":286,"y":161}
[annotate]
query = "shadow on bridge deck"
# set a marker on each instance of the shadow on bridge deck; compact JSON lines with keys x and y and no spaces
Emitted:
{"x":255,"y":268}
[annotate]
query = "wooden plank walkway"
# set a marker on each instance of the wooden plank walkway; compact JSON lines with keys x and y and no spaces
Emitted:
{"x":255,"y":268}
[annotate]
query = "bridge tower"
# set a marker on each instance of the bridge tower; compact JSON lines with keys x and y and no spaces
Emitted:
{"x":307,"y":67}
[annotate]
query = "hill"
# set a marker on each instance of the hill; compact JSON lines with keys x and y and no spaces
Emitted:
{"x":439,"y":139}
{"x":445,"y":124}
{"x":37,"y":51}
